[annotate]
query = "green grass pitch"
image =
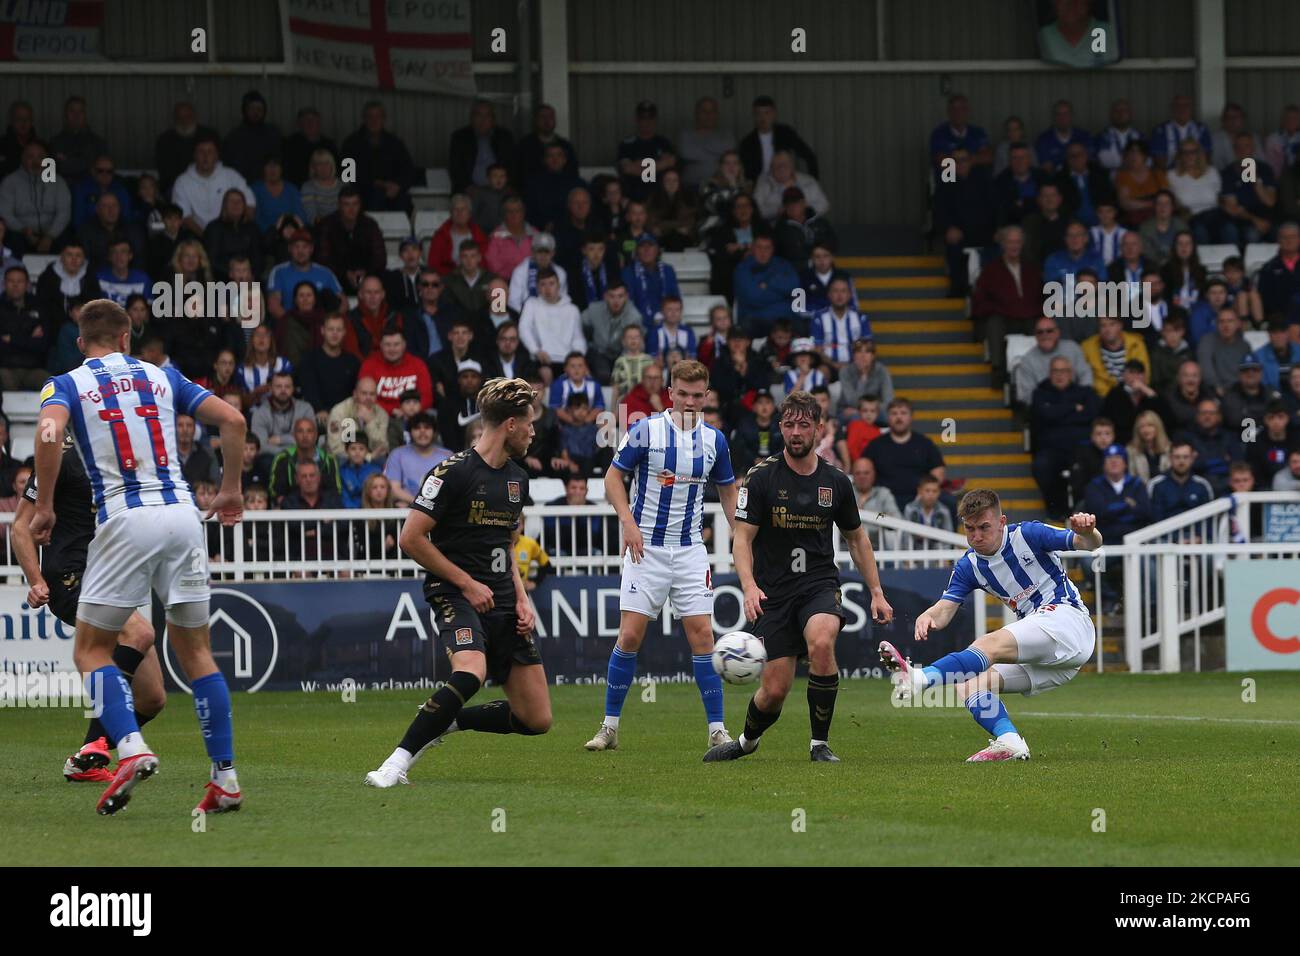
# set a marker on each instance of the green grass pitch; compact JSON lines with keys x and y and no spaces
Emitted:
{"x":1216,"y":790}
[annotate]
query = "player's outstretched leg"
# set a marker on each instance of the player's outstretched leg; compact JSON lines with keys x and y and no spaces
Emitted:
{"x":526,"y":709}
{"x":764,"y":710}
{"x":909,"y":679}
{"x":699,"y":634}
{"x":619,"y":677}
{"x":97,"y":630}
{"x":433,"y":719}
{"x":188,"y":626}
{"x":133,"y":653}
{"x":823,"y":683}
{"x":981,"y":698}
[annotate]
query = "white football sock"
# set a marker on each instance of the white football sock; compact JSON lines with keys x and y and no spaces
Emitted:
{"x":1012,"y":740}
{"x":611,"y":722}
{"x":401,"y":759}
{"x":715,"y":725}
{"x":814,"y":743}
{"x":130,"y":745}
{"x":225,"y":779}
{"x":747,"y":745}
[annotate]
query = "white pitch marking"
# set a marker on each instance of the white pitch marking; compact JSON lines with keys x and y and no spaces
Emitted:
{"x":1213,"y":720}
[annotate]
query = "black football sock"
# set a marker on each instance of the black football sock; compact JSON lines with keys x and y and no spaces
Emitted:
{"x":127,"y":659}
{"x":493,"y":718}
{"x":439,"y":711}
{"x":821,"y":703}
{"x":757,"y":721}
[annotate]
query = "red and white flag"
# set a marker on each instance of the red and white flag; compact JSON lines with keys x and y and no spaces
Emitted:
{"x":51,"y":31}
{"x":386,"y":44}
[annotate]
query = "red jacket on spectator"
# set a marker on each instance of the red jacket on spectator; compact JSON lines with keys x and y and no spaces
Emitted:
{"x":710,"y":348}
{"x":638,"y":401}
{"x":394,"y":378}
{"x":440,"y":257}
{"x":995,"y":292}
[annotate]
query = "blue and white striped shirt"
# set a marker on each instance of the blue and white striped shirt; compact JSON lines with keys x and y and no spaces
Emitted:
{"x":839,"y":332}
{"x":670,"y":468}
{"x":1024,"y":575}
{"x":1107,"y":243}
{"x":123,"y":418}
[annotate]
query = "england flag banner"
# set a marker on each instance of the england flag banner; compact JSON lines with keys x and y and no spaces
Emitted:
{"x":51,"y":31}
{"x":422,"y":45}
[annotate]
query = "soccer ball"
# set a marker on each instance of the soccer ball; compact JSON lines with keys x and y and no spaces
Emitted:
{"x":738,"y":657}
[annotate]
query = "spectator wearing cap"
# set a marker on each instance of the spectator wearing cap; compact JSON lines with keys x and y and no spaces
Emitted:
{"x":798,"y":229}
{"x":1279,"y":355}
{"x":863,"y":376}
{"x":1117,"y":498}
{"x":550,"y":325}
{"x":594,"y":269}
{"x":648,"y":279}
{"x":1268,"y":453}
{"x":603,"y":323}
{"x":350,"y":243}
{"x":1062,"y":411}
{"x":300,"y":267}
{"x":1008,"y":296}
{"x":512,"y":241}
{"x":444,"y":247}
{"x":836,"y":327}
{"x":406,"y":466}
{"x":1216,"y":446}
{"x":250,"y":144}
{"x":1077,"y":255}
{"x":965,"y":214}
{"x":399,"y":423}
{"x":1130,"y":398}
{"x":1053,"y":142}
{"x":200,"y":189}
{"x":402,"y":285}
{"x":394,"y":370}
{"x":1178,"y":488}
{"x":804,"y":374}
{"x":647,"y":144}
{"x":957,"y":133}
{"x":770,"y":187}
{"x":763,"y":285}
{"x":767,"y":138}
{"x":385,"y":173}
{"x":1220,"y":354}
{"x":524,"y":279}
{"x":1248,"y":397}
{"x":460,"y":407}
{"x":533,"y":146}
{"x":671,"y":333}
{"x":478,"y":145}
{"x":546,"y":193}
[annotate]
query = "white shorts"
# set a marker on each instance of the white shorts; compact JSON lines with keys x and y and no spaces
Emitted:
{"x":682,"y":575}
{"x":1055,"y":641}
{"x":160,"y":547}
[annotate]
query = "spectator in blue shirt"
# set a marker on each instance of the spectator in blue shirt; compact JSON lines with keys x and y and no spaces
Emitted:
{"x":648,"y":279}
{"x":355,"y":469}
{"x":957,"y":133}
{"x":671,"y":333}
{"x":276,"y":196}
{"x":101,"y":180}
{"x":1180,"y":126}
{"x":118,"y":280}
{"x":1076,"y":255}
{"x":1118,"y":499}
{"x":576,"y":378}
{"x":1053,"y":141}
{"x":763,"y":285}
{"x":286,"y":276}
{"x":1279,"y":356}
{"x":1178,"y":489}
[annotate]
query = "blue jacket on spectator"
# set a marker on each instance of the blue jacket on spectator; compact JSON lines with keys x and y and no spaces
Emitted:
{"x":763,"y":292}
{"x":1118,"y":513}
{"x":352,"y":478}
{"x":1202,"y":319}
{"x":1215,"y":453}
{"x":1061,"y":263}
{"x":86,"y":196}
{"x":647,"y":288}
{"x":1049,"y":148}
{"x":1272,"y":367}
{"x":1170,"y":497}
